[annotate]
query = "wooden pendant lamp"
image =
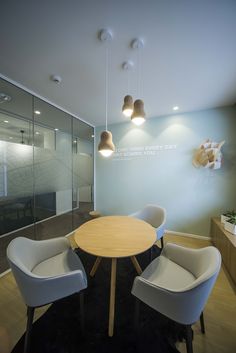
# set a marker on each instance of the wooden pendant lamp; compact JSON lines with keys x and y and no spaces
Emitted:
{"x":106,"y":146}
{"x":138,"y":116}
{"x":128,"y":105}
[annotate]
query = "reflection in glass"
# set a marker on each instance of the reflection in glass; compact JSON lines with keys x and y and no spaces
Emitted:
{"x":83,"y":150}
{"x":16,"y":160}
{"x":53,"y":167}
{"x":46,"y":169}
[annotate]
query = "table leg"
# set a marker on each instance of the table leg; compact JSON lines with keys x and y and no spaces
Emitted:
{"x":112,"y":297}
{"x":95,"y":266}
{"x":136,"y":264}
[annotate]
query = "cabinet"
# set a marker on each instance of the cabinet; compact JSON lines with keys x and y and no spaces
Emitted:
{"x":226,"y":243}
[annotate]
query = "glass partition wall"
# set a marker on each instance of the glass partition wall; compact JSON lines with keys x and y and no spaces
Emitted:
{"x":46,"y":169}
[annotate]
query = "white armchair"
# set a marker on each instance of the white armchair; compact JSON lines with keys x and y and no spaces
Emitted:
{"x":156,"y":217}
{"x":178,"y":283}
{"x":45,"y":271}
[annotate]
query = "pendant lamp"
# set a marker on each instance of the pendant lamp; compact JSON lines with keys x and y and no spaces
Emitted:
{"x":138,"y":116}
{"x":128,"y":105}
{"x":106,"y":146}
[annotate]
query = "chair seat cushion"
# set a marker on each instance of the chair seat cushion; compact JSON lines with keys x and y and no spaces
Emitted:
{"x":167,"y":274}
{"x":57,"y":265}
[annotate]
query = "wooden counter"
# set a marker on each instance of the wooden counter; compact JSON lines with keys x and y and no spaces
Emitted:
{"x":226,"y":243}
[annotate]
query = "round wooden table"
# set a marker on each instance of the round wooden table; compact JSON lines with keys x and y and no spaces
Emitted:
{"x":115,"y":237}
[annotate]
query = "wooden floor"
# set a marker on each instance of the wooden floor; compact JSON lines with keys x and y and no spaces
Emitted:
{"x":220,"y":311}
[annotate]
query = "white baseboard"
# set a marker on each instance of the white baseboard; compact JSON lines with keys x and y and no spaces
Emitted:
{"x":5,"y":272}
{"x":189,"y":235}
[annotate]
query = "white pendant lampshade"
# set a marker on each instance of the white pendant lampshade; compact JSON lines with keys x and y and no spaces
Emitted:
{"x":138,"y":116}
{"x":128,"y":106}
{"x":106,"y":146}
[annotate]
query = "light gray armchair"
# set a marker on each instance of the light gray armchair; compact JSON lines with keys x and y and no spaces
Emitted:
{"x":178,"y":283}
{"x":154,"y":215}
{"x":45,"y":271}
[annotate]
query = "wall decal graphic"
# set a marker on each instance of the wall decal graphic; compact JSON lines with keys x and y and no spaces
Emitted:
{"x":208,"y":155}
{"x":128,"y":153}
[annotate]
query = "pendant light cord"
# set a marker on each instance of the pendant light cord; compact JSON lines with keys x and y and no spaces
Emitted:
{"x":128,"y":82}
{"x":106,"y":83}
{"x":138,"y":53}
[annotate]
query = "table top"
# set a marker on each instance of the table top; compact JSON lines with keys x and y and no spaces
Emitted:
{"x":115,"y":236}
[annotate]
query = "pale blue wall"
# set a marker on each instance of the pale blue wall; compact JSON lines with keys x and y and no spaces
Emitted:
{"x":191,"y":196}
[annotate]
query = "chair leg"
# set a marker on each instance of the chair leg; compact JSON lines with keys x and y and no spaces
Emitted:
{"x":136,"y":315}
{"x":202,"y":323}
{"x":30,"y":317}
{"x":189,"y":339}
{"x":150,"y":254}
{"x":81,"y":299}
{"x":162,"y":243}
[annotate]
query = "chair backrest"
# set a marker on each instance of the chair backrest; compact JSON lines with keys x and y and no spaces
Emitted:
{"x":154,"y":215}
{"x":21,"y":253}
{"x":203,"y":263}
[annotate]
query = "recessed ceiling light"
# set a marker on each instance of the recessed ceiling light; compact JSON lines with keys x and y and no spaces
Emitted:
{"x":92,"y":136}
{"x":36,"y":133}
{"x":6,"y":121}
{"x":56,"y":129}
{"x":4,"y":98}
{"x":37,"y":112}
{"x":176,"y":108}
{"x":10,"y":137}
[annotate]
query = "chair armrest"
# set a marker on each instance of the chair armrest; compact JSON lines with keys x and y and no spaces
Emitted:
{"x":183,"y":307}
{"x":160,"y":231}
{"x":38,"y":291}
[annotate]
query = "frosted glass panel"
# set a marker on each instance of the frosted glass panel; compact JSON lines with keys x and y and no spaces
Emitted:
{"x":53,"y":162}
{"x":82,"y":169}
{"x":46,"y":169}
{"x":16,"y":164}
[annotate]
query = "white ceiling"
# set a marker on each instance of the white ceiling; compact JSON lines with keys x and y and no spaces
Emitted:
{"x":189,"y":57}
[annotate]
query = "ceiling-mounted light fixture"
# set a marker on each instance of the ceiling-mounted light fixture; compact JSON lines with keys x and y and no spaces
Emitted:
{"x":106,"y":146}
{"x":4,"y":98}
{"x":56,"y":78}
{"x":138,"y":115}
{"x":128,"y":105}
{"x":175,"y":108}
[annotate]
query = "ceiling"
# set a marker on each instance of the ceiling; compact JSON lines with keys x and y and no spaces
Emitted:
{"x":188,"y":59}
